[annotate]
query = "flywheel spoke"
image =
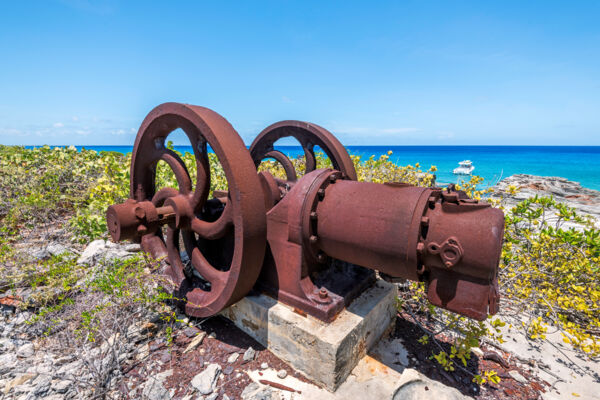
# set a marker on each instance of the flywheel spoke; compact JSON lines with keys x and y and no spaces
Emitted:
{"x":285,"y":162}
{"x":179,"y":169}
{"x":208,"y":272}
{"x":214,"y":230}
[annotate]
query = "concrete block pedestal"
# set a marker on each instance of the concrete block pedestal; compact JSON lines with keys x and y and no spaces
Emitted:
{"x":326,"y":353}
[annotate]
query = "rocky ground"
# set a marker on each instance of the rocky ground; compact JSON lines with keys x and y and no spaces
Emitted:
{"x":586,"y":201}
{"x":211,"y":359}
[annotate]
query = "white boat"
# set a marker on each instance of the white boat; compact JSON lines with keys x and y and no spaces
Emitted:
{"x":465,"y":168}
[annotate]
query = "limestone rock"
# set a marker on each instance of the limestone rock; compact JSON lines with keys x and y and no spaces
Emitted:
{"x":154,"y":390}
{"x":25,"y":351}
{"x":206,"y":380}
{"x":416,"y":386}
{"x":517,"y":377}
{"x":584,"y":200}
{"x":254,"y":392}
{"x":18,"y":381}
{"x":197,"y":341}
{"x":100,"y":249}
{"x":249,"y":354}
{"x":281,"y":374}
{"x":52,"y":249}
{"x":232,"y":358}
{"x":61,"y":386}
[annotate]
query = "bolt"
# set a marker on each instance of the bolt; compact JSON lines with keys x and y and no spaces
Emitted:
{"x":313,"y":215}
{"x":332,"y":178}
{"x":142,"y":230}
{"x":313,"y":239}
{"x":140,"y":212}
{"x":321,"y":258}
{"x":321,"y":193}
{"x":448,"y":264}
{"x":420,"y":247}
{"x":323,"y":293}
{"x":425,"y":221}
{"x":431,"y":201}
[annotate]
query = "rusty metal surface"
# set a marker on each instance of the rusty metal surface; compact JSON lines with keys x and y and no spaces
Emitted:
{"x":212,"y":283}
{"x":310,"y":238}
{"x":309,"y":135}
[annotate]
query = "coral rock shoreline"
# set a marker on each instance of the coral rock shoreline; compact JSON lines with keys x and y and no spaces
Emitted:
{"x":584,"y":200}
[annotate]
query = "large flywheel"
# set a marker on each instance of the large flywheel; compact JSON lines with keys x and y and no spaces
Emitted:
{"x":309,"y":136}
{"x":214,"y":247}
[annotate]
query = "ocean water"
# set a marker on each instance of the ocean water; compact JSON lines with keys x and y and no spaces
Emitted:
{"x":576,"y":163}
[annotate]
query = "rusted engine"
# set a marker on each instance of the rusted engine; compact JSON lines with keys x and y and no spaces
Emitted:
{"x":313,"y":242}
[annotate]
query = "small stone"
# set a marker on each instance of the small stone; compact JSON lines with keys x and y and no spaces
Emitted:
{"x":154,"y":390}
{"x":517,"y":377}
{"x":195,"y":342}
{"x":17,"y":381}
{"x":61,"y":386}
{"x":7,"y":345}
{"x":143,"y":352}
{"x":165,"y":357}
{"x":281,"y":374}
{"x":225,"y":397}
{"x":228,"y":370}
{"x":206,"y":380}
{"x":132,"y":247}
{"x":233,"y":358}
{"x":191,"y":331}
{"x":212,"y":396}
{"x":417,"y":386}
{"x":249,"y":354}
{"x":25,"y":351}
{"x":477,"y":351}
{"x":264,"y":365}
{"x":212,"y":335}
{"x":164,"y":375}
{"x":57,"y":249}
{"x":42,"y":385}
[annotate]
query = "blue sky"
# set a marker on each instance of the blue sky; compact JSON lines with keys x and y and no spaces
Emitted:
{"x":376,"y":73}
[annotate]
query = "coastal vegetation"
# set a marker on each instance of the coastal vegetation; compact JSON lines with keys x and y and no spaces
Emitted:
{"x":549,"y":273}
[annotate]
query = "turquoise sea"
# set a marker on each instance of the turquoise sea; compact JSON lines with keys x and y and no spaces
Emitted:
{"x":576,"y":163}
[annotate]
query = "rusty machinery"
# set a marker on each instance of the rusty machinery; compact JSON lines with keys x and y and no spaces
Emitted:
{"x":299,"y":239}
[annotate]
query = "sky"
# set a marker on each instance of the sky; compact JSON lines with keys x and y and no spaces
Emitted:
{"x":374,"y":73}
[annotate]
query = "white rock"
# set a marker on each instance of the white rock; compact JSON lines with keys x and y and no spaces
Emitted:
{"x":264,"y":365}
{"x":416,"y":386}
{"x":57,"y":249}
{"x":517,"y":376}
{"x":99,"y":249}
{"x":7,"y":362}
{"x":7,"y":345}
{"x":249,"y":354}
{"x":233,"y":358}
{"x":19,"y":380}
{"x":477,"y":351}
{"x":206,"y":380}
{"x":25,"y":351}
{"x":143,"y":352}
{"x":61,"y":386}
{"x":154,"y":390}
{"x":92,"y":251}
{"x":281,"y":374}
{"x":195,"y":342}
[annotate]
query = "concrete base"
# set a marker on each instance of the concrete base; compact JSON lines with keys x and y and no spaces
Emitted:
{"x":325,"y":353}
